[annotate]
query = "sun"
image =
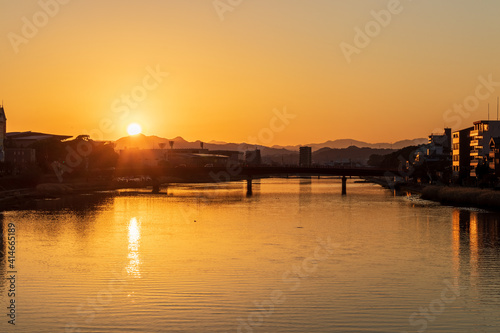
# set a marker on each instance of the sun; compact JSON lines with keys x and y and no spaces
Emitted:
{"x":134,"y":129}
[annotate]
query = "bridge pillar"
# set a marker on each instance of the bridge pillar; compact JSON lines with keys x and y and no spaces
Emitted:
{"x":344,"y":185}
{"x":156,"y":185}
{"x":249,"y":186}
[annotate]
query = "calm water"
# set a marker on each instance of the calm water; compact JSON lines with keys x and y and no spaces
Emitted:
{"x":295,"y":257}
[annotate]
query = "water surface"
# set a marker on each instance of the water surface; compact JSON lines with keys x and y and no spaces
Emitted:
{"x":294,"y":257}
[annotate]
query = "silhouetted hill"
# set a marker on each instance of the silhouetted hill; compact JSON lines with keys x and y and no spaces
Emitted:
{"x":393,"y":160}
{"x":345,"y":143}
{"x":332,"y":156}
{"x":142,"y":141}
{"x":275,"y":154}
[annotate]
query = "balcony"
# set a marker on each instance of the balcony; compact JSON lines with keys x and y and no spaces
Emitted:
{"x":474,"y":142}
{"x":475,"y":133}
{"x":475,"y":152}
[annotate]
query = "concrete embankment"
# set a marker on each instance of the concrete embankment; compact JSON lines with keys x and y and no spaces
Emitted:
{"x":463,"y":196}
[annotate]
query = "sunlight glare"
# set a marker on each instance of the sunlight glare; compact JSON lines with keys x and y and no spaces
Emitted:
{"x":134,"y":129}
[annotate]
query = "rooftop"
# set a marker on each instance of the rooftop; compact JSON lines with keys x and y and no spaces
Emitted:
{"x":35,"y":136}
{"x":486,"y":122}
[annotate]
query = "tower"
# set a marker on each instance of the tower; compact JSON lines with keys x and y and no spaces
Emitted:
{"x":305,"y":156}
{"x":3,"y":133}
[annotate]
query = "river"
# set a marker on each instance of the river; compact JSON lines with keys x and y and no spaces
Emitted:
{"x":294,"y":257}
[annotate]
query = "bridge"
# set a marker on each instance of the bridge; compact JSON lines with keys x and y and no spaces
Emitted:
{"x":235,"y":171}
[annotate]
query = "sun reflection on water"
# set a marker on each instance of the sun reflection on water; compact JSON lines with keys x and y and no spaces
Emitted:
{"x":134,"y":236}
{"x":474,"y":253}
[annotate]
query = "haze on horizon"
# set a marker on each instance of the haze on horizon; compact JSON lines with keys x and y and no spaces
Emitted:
{"x":225,"y":77}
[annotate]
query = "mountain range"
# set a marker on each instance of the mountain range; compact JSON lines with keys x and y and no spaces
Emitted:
{"x":327,"y":152}
{"x":152,"y":142}
{"x":345,"y":143}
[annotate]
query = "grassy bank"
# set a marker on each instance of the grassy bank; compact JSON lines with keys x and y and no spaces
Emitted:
{"x":463,"y":196}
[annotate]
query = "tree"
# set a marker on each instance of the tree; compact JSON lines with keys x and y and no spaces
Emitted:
{"x":483,"y":173}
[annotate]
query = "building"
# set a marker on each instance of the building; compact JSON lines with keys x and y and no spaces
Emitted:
{"x":20,"y":158}
{"x":494,"y":156}
{"x":26,"y":139}
{"x":461,"y":153}
{"x":253,"y":157}
{"x":480,"y":137}
{"x":305,"y":156}
{"x":3,"y":133}
{"x":439,"y":145}
{"x":432,"y":162}
{"x":134,"y":157}
{"x":233,"y":155}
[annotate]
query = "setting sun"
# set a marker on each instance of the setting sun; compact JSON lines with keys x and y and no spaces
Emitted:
{"x":134,"y":129}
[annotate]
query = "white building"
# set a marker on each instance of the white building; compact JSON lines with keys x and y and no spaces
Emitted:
{"x":480,"y":138}
{"x":439,"y":144}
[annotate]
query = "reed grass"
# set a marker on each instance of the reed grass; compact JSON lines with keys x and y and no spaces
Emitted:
{"x":463,"y":196}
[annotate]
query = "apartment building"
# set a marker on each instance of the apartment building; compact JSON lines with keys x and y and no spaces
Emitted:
{"x":480,"y":137}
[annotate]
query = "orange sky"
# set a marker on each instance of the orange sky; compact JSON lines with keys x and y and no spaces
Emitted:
{"x":225,"y":77}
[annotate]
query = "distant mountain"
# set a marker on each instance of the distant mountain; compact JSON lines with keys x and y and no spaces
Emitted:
{"x":327,"y":152}
{"x":331,"y":155}
{"x":345,"y":143}
{"x":217,"y":142}
{"x":142,"y":141}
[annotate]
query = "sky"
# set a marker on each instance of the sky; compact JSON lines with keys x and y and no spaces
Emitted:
{"x":266,"y":72}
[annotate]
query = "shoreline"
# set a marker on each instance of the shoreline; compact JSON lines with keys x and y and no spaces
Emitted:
{"x":488,"y":199}
{"x":22,"y":198}
{"x":463,"y":197}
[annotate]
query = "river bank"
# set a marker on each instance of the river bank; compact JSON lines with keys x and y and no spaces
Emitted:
{"x":463,"y":196}
{"x":23,"y":198}
{"x":453,"y":196}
